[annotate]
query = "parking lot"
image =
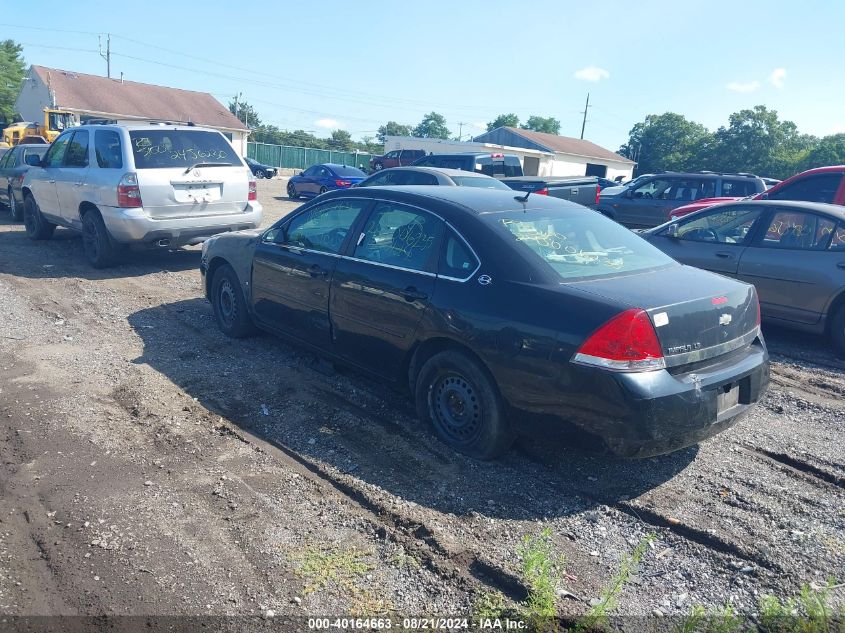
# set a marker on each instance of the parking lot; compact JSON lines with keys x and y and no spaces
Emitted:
{"x":150,"y":464}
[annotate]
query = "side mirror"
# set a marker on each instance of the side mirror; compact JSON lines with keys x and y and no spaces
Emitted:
{"x":672,"y":231}
{"x":628,"y":193}
{"x":33,"y":160}
{"x":764,"y":195}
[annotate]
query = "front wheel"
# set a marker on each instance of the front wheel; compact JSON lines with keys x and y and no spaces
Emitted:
{"x":459,"y":399}
{"x":100,"y":249}
{"x":37,"y":228}
{"x":259,"y":174}
{"x":14,"y":208}
{"x":292,"y":194}
{"x":229,"y":305}
{"x":378,"y":166}
{"x":837,"y":330}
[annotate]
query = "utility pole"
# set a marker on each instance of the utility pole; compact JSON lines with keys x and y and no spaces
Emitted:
{"x":586,"y":107}
{"x":461,"y":125}
{"x":107,"y":55}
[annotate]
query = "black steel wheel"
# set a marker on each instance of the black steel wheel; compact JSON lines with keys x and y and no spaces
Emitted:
{"x":227,"y":300}
{"x":37,"y":228}
{"x":457,"y":396}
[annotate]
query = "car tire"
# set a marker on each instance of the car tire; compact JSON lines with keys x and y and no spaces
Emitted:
{"x":837,"y":330}
{"x":37,"y":228}
{"x":458,"y":398}
{"x":229,"y":305}
{"x":100,"y":249}
{"x":378,"y":166}
{"x":14,"y":208}
{"x":259,"y":174}
{"x":323,"y":190}
{"x":292,"y":193}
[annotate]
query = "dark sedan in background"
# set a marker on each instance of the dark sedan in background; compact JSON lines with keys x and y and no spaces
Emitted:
{"x":319,"y":179}
{"x":259,"y":170}
{"x":499,"y":312}
{"x":13,"y":167}
{"x":431,"y":176}
{"x":793,"y":252}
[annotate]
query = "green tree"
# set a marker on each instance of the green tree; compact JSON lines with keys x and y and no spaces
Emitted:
{"x":246,"y":113}
{"x":12,"y":73}
{"x":549,"y":125}
{"x":758,"y":141}
{"x":667,"y":142}
{"x":503,"y":120}
{"x":433,"y":125}
{"x":392,"y":128}
{"x":341,"y":140}
{"x":830,"y":150}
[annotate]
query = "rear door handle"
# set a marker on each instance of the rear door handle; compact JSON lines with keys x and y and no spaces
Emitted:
{"x":840,"y":265}
{"x":412,"y":294}
{"x":317,"y":271}
{"x":52,"y":181}
{"x":78,"y":184}
{"x":724,"y":254}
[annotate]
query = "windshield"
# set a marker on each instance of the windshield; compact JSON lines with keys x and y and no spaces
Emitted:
{"x":168,"y":148}
{"x":60,"y":120}
{"x":583,"y":245}
{"x":483,"y":183}
{"x":348,"y":172}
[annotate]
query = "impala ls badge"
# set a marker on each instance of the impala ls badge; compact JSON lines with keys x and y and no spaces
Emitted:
{"x":725,"y":319}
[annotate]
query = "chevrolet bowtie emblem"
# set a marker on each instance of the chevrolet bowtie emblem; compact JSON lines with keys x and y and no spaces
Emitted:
{"x":725,"y":319}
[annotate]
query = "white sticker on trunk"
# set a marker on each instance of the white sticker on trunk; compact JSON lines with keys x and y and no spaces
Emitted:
{"x":661,"y":319}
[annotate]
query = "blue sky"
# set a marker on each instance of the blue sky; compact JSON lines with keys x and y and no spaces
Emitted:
{"x":355,"y":65}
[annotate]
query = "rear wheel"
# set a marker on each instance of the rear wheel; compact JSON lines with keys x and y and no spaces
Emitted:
{"x":837,"y":330}
{"x":227,"y":300}
{"x":37,"y":228}
{"x":100,"y":249}
{"x":323,"y":190}
{"x":14,"y":208}
{"x":292,"y":194}
{"x":456,"y":396}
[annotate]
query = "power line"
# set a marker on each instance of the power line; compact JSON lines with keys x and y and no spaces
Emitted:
{"x":60,"y":48}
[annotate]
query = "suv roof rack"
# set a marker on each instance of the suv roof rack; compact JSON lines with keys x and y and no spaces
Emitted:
{"x":138,"y":121}
{"x":712,"y":173}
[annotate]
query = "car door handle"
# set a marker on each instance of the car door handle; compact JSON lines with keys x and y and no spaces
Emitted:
{"x":317,"y":271}
{"x":724,"y":254}
{"x":78,"y":184}
{"x":412,"y":294}
{"x":840,"y":265}
{"x":52,"y":181}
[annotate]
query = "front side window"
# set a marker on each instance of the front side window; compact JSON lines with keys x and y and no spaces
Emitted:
{"x":56,"y":153}
{"x":818,"y":188}
{"x":414,"y":178}
{"x":321,"y":228}
{"x":580,"y":246}
{"x":310,"y":172}
{"x":456,"y":259}
{"x":393,"y":154}
{"x":400,"y":236}
{"x":169,"y":148}
{"x":798,"y":230}
{"x":77,"y":150}
{"x":728,"y":226}
{"x":8,"y":159}
{"x":108,"y":149}
{"x":655,"y":189}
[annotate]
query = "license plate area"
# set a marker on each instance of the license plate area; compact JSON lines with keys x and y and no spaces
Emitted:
{"x":204,"y":192}
{"x":727,"y":398}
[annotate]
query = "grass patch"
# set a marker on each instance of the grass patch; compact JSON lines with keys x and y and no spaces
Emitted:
{"x":541,"y":573}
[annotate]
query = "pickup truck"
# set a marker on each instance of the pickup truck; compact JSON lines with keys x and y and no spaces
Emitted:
{"x":581,"y":190}
{"x":396,"y":158}
{"x":496,"y":165}
{"x":822,"y":184}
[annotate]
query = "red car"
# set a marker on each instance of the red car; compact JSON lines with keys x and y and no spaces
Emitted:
{"x":822,"y":184}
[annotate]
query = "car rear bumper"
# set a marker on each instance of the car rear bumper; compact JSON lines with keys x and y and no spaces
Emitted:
{"x":135,"y":226}
{"x":651,"y":413}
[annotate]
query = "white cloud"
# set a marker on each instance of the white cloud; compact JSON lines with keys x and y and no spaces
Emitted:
{"x":329,"y":124}
{"x":592,"y":73}
{"x":777,"y":77}
{"x":750,"y":86}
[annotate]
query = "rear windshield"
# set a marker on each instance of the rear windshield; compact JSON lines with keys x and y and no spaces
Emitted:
{"x":483,"y":183}
{"x":161,"y":149}
{"x":581,"y":246}
{"x":507,"y":168}
{"x":349,"y":172}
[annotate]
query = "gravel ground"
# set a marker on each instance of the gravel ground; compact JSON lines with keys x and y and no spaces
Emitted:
{"x":152,"y":466}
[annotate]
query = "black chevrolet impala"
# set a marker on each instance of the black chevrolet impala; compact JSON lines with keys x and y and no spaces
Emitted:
{"x":498,"y":310}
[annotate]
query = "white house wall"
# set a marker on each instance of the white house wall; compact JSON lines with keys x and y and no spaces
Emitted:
{"x":32,"y":100}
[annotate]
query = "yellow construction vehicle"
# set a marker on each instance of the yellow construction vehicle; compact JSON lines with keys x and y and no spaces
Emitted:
{"x":55,"y":122}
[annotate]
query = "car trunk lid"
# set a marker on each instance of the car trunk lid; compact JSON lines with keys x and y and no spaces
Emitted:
{"x":171,"y":193}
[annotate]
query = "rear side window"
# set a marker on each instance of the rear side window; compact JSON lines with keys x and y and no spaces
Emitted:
{"x":798,"y":230}
{"x":414,"y":178}
{"x":482,"y":183}
{"x":456,"y":260}
{"x":162,"y":149}
{"x":30,"y":151}
{"x":77,"y":150}
{"x":837,"y":241}
{"x":819,"y":188}
{"x":108,"y":150}
{"x":738,"y":188}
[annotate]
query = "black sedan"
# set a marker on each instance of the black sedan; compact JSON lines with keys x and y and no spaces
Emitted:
{"x":499,"y":312}
{"x":260,"y":170}
{"x":793,"y":252}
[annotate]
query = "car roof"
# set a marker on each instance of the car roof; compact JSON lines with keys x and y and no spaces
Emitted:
{"x":466,"y":154}
{"x":835,"y":210}
{"x":134,"y":127}
{"x":451,"y":173}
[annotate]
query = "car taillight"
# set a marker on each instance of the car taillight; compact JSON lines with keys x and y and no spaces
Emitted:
{"x":128,"y":193}
{"x":627,"y":342}
{"x":542,"y":192}
{"x":253,"y":191}
{"x":342,"y":183}
{"x":598,"y":190}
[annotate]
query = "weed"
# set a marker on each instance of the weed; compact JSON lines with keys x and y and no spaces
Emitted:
{"x":490,"y":605}
{"x":541,"y":571}
{"x":403,"y":560}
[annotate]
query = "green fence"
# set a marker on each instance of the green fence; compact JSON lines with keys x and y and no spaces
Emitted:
{"x":302,"y":157}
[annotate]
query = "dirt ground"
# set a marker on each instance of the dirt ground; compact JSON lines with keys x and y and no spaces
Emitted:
{"x":151,"y":466}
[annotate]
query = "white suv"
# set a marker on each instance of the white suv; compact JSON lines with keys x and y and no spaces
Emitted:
{"x":151,"y":184}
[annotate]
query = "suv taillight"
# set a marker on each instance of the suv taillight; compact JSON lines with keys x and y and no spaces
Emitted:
{"x":598,"y":192}
{"x":253,"y":191}
{"x":128,"y":192}
{"x":627,"y":342}
{"x":542,"y":192}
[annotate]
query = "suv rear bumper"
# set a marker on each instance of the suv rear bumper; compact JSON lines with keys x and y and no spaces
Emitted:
{"x":135,"y":226}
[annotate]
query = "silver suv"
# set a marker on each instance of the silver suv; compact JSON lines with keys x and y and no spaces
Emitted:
{"x":151,"y":184}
